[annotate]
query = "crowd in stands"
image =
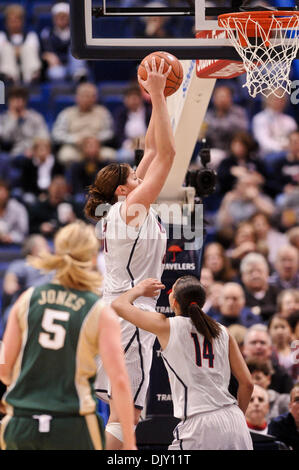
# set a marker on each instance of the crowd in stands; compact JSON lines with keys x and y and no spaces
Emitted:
{"x":250,"y":267}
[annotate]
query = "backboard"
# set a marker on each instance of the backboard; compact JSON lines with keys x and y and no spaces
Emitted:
{"x":106,"y":30}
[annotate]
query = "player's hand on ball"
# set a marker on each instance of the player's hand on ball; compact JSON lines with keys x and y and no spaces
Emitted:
{"x":150,"y":287}
{"x":156,"y":79}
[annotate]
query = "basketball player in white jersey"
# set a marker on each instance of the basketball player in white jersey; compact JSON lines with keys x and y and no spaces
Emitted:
{"x":134,"y":240}
{"x":199,"y":355}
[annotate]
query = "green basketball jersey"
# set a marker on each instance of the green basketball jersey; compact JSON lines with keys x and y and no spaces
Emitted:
{"x":56,"y":367}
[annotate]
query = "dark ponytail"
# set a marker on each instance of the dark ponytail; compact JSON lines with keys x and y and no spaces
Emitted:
{"x":104,"y":187}
{"x":191,"y":296}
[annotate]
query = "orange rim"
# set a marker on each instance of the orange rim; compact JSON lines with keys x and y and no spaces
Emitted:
{"x":263,"y":18}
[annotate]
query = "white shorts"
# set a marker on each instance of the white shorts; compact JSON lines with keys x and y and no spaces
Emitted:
{"x":223,"y":429}
{"x":138,"y":349}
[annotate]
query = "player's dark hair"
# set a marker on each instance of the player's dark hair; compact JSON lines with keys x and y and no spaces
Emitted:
{"x":102,"y":191}
{"x":191,"y":296}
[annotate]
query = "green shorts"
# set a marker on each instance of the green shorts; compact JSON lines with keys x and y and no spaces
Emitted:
{"x":58,"y":433}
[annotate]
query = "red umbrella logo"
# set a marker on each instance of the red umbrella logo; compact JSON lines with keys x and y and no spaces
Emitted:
{"x":174,"y":249}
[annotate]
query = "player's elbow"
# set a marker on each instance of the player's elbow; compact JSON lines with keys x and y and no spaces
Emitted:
{"x":5,"y":377}
{"x":247,"y":384}
{"x":116,"y":304}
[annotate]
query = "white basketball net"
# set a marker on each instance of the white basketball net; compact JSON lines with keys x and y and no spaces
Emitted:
{"x":268,"y":56}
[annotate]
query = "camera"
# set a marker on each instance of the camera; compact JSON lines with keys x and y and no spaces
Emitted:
{"x":204,"y":179}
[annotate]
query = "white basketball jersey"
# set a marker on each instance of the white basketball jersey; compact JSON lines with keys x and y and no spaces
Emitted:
{"x":132,"y":255}
{"x":199,"y":371}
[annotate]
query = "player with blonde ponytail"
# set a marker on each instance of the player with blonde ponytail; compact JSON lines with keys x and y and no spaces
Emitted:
{"x":54,"y":334}
{"x":199,"y":355}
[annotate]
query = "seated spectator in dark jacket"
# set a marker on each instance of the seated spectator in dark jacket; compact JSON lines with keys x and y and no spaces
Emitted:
{"x":232,"y":308}
{"x":13,"y":217}
{"x":260,"y":296}
{"x":257,"y":345}
{"x":37,"y":172}
{"x":240,"y":159}
{"x":55,"y":210}
{"x":286,"y":170}
{"x":286,"y":275}
{"x":286,"y":427}
{"x":132,"y":118}
{"x":19,"y":126}
{"x":56,"y":45}
{"x":82,"y":174}
{"x":20,"y":275}
{"x":261,"y":372}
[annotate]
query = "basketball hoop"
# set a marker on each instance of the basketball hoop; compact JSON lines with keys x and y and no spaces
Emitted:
{"x":268,"y":42}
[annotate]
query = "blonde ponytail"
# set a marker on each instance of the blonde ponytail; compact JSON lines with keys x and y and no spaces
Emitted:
{"x":75,"y":248}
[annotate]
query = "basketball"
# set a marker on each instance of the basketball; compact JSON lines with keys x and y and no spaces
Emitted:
{"x":174,"y":79}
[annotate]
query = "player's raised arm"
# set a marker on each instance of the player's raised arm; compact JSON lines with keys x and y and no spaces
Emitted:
{"x":150,"y":150}
{"x":241,"y":373}
{"x":158,"y":170}
{"x":113,"y":360}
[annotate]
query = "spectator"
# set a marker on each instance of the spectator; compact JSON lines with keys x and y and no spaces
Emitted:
{"x":285,"y":427}
{"x":238,"y":332}
{"x":56,"y":47}
{"x":153,"y":26}
{"x":19,"y":49}
{"x":13,"y":217}
{"x":293,"y":236}
{"x":54,"y":211}
{"x":286,"y":169}
{"x":257,"y":411}
{"x":293,"y":321}
{"x":288,"y":302}
{"x":244,"y":243}
{"x":131,"y":119}
{"x":19,"y":126}
{"x":257,"y":345}
{"x":211,"y":306}
{"x":20,"y":275}
{"x":216,"y":260}
{"x":287,"y":208}
{"x":260,"y":296}
{"x":266,"y":235}
{"x":241,"y":160}
{"x":241,"y":203}
{"x":84,"y":119}
{"x":286,"y":275}
{"x":232,"y":307}
{"x":224,"y":119}
{"x":206,"y":278}
{"x":281,"y":336}
{"x":272,"y":126}
{"x":82,"y":174}
{"x":37,"y":172}
{"x":261,"y":372}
